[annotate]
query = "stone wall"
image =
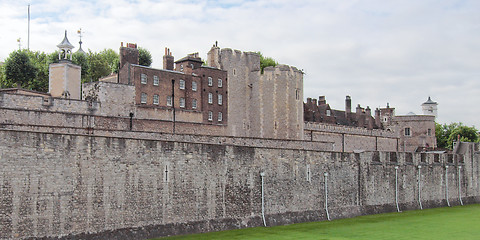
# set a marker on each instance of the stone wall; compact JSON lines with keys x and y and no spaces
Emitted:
{"x":349,"y":139}
{"x":120,"y":187}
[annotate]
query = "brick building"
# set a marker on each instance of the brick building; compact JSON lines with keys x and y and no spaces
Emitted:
{"x":192,"y":90}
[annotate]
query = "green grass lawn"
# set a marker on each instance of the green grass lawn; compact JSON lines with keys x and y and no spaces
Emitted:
{"x":460,"y":222}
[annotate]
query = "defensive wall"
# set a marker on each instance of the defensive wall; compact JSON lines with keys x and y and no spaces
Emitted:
{"x":350,"y":139}
{"x":76,"y":186}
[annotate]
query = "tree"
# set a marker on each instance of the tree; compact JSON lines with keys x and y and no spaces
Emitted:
{"x":81,"y":59}
{"x":266,"y":62}
{"x":144,"y":57}
{"x":19,"y":70}
{"x":112,"y":59}
{"x":447,"y":134}
{"x":97,"y":66}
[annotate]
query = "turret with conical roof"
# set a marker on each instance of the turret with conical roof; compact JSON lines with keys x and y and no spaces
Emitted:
{"x":430,"y":107}
{"x":65,"y":47}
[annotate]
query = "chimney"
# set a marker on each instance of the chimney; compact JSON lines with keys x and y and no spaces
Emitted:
{"x":128,"y":54}
{"x":368,"y":111}
{"x":321,"y":100}
{"x":348,"y":105}
{"x":314,"y":101}
{"x":378,"y":121}
{"x":168,"y":60}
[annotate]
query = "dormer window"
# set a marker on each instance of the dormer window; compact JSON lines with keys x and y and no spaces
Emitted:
{"x":329,"y":113}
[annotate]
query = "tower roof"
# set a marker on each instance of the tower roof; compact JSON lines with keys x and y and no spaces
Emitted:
{"x":429,"y":101}
{"x":65,"y":44}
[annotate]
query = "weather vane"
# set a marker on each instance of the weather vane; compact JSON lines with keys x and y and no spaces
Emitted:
{"x":19,"y":40}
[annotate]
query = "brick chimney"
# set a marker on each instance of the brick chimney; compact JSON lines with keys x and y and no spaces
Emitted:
{"x":128,"y":54}
{"x":168,"y":60}
{"x":321,"y":100}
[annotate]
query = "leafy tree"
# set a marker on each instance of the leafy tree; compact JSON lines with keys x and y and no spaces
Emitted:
{"x":19,"y":70}
{"x":447,"y":134}
{"x":144,"y":57}
{"x":81,"y":59}
{"x":112,"y":59}
{"x":97,"y":66}
{"x":266,"y":62}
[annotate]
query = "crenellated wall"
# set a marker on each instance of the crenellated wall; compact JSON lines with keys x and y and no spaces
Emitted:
{"x":350,"y":139}
{"x":127,"y":186}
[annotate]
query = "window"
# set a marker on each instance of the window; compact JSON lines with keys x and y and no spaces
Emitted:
{"x":429,"y":132}
{"x":407,"y":131}
{"x":191,"y":65}
{"x":182,"y":102}
{"x":143,"y":98}
{"x":181,"y":67}
{"x":194,"y":103}
{"x":143,"y":78}
{"x":155,"y":81}
{"x":220,"y":116}
{"x":297,"y":94}
{"x":329,"y":112}
{"x":210,"y":98}
{"x":220,"y":83}
{"x":210,"y":116}
{"x":210,"y":81}
{"x":182,"y":84}
{"x":194,"y":86}
{"x":220,"y":100}
{"x":169,"y":101}
{"x":155,"y":99}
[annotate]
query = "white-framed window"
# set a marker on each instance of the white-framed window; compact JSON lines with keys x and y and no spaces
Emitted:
{"x":329,"y":113}
{"x":220,"y":99}
{"x":191,"y":65}
{"x":169,"y":101}
{"x":210,"y":81}
{"x":210,"y":98}
{"x":143,"y":78}
{"x":181,"y":67}
{"x":182,"y":102}
{"x":220,"y":116}
{"x":220,"y":83}
{"x":143,"y":98}
{"x":194,"y":103}
{"x":182,"y":84}
{"x":407,"y":131}
{"x":194,"y":86}
{"x":155,"y":99}
{"x":156,"y":80}
{"x":210,"y":116}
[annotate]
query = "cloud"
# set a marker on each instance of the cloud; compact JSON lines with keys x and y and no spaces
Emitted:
{"x":377,"y":51}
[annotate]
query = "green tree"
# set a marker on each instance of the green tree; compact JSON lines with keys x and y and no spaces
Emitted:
{"x":144,"y":57}
{"x":97,"y":66}
{"x":81,"y":59}
{"x":112,"y":59}
{"x":19,"y":70}
{"x":447,"y":134}
{"x":266,"y":62}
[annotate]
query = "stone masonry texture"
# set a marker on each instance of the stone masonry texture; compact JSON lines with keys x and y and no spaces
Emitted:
{"x":76,"y":186}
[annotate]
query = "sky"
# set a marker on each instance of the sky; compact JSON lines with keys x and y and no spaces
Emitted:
{"x":398,"y":51}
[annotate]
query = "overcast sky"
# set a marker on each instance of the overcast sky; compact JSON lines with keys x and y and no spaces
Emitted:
{"x":376,"y":51}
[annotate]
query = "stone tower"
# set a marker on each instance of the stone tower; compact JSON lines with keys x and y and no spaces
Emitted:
{"x":429,"y":107}
{"x":268,"y":105}
{"x":64,"y":78}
